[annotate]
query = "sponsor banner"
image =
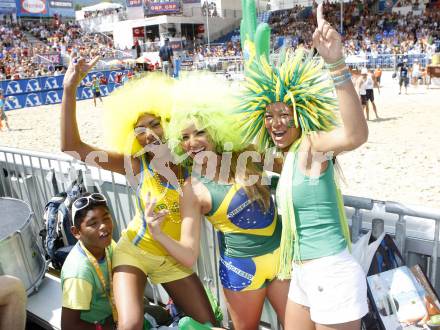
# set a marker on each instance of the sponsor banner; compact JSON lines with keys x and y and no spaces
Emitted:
{"x":32,"y":8}
{"x":139,"y":32}
{"x":133,"y":3}
{"x":38,"y":84}
{"x":191,"y":1}
{"x":49,"y":90}
{"x":67,"y":4}
{"x":12,"y":87}
{"x":163,"y":7}
{"x":8,"y":6}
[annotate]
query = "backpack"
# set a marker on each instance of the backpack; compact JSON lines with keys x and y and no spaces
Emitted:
{"x":57,"y":237}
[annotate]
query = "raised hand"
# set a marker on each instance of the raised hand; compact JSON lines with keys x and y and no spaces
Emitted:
{"x":77,"y":70}
{"x":154,"y":220}
{"x":326,"y":39}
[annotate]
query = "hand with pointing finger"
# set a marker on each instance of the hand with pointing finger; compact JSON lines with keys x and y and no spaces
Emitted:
{"x":77,"y":70}
{"x":326,"y":39}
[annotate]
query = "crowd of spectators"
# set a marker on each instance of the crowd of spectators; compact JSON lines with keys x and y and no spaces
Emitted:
{"x":34,"y":49}
{"x":40,"y":48}
{"x":69,"y":39}
{"x":20,"y":58}
{"x":364,"y":32}
{"x":105,"y":12}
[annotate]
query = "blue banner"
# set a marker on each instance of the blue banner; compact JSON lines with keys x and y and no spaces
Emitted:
{"x":8,"y":7}
{"x":38,"y":91}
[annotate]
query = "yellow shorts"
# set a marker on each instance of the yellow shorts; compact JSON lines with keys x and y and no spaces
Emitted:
{"x":160,"y":269}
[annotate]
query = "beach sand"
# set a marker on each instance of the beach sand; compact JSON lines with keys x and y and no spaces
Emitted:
{"x":400,"y":162}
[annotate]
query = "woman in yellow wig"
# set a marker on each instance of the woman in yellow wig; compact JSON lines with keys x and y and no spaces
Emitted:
{"x":136,"y":114}
{"x":229,"y":189}
{"x":291,"y":106}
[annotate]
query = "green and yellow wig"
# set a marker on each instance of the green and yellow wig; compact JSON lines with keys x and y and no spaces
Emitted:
{"x":299,"y":81}
{"x":208,"y":102}
{"x":149,"y":95}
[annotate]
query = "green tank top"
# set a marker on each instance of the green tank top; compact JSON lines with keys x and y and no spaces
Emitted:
{"x":316,"y":214}
{"x":244,"y":229}
{"x":95,"y":86}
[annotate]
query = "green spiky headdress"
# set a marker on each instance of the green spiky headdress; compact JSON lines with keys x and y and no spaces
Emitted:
{"x":298,"y":81}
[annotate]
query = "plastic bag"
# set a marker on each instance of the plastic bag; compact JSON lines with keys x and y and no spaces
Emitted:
{"x":364,"y":252}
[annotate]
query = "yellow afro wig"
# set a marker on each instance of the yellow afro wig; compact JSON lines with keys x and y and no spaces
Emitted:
{"x":148,"y":95}
{"x":208,"y":102}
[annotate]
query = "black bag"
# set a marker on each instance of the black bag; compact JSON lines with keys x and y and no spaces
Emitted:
{"x":57,"y":237}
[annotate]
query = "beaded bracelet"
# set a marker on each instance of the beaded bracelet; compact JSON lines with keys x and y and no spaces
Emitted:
{"x":342,"y":79}
{"x":336,"y":64}
{"x":338,"y":72}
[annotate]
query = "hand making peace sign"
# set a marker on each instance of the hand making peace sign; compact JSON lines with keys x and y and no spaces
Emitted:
{"x":326,"y":39}
{"x":154,"y":220}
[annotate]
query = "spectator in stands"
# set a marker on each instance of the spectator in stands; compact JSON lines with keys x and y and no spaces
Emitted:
{"x":137,"y":47}
{"x":12,"y":303}
{"x":166,"y":57}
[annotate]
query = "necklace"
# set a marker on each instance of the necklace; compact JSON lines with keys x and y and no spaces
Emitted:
{"x":171,"y":206}
{"x":107,"y":291}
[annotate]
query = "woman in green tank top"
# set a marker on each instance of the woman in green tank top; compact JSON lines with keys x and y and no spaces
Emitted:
{"x":290,"y":106}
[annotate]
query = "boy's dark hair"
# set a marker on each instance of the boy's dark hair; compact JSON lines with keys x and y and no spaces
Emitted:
{"x":81,"y":213}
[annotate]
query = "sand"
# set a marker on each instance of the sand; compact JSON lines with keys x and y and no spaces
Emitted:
{"x":400,"y":162}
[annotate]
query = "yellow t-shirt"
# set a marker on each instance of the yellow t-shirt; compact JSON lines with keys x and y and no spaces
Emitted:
{"x":167,"y":198}
{"x":77,"y":294}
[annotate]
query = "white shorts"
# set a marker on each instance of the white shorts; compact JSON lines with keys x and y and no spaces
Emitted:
{"x":333,"y":287}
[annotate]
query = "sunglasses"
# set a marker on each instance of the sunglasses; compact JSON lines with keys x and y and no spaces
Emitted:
{"x":85,"y":201}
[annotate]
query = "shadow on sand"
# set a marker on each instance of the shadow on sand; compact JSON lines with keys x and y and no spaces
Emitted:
{"x":378,"y":120}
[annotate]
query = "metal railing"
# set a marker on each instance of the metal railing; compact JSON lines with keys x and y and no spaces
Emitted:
{"x":415,"y":228}
{"x":35,"y":177}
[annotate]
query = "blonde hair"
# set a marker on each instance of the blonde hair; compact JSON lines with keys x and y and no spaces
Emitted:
{"x":209,"y":103}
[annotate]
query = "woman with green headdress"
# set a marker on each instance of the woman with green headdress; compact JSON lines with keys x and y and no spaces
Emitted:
{"x":290,"y":106}
{"x":134,"y":122}
{"x":228,"y":188}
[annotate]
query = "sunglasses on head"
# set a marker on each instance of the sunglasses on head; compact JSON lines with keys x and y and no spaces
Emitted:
{"x":85,"y":201}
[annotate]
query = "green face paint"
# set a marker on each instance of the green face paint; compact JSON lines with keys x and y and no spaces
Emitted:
{"x":291,"y":123}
